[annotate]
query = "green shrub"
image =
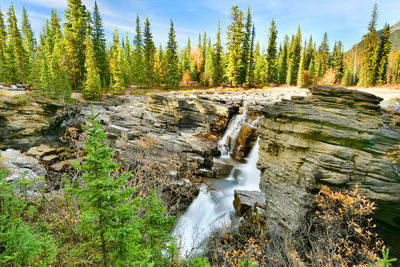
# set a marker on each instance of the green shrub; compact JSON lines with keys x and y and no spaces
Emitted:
{"x":117,"y":226}
{"x":20,"y":244}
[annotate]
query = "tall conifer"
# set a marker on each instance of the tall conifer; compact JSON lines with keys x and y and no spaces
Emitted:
{"x":172,"y":77}
{"x":235,"y":41}
{"x":368,"y":67}
{"x":99,"y":43}
{"x":218,"y":75}
{"x":75,"y":31}
{"x":149,"y":53}
{"x":16,"y":55}
{"x":271,"y":54}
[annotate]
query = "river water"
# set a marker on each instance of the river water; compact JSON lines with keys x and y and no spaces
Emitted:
{"x":213,"y":207}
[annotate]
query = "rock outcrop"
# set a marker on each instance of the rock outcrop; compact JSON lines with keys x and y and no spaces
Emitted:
{"x":22,"y":168}
{"x":23,"y":125}
{"x":184,"y":125}
{"x":335,"y":137}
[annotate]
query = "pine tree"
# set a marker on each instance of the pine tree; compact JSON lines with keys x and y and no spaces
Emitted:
{"x":17,"y":61}
{"x":100,"y":51}
{"x":235,"y":41}
{"x":75,"y":31}
{"x":383,"y":55}
{"x":218,"y":76}
{"x":368,"y":66}
{"x":259,"y":66}
{"x":172,"y":77}
{"x":251,"y":57}
{"x":245,"y":53}
{"x":283,"y":61}
{"x":271,"y":54}
{"x":149,"y":54}
{"x":300,"y":76}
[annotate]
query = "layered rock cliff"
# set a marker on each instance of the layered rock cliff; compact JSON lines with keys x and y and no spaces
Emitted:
{"x":335,"y":137}
{"x":23,"y":125}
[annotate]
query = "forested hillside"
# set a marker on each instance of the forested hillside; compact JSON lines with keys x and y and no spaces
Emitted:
{"x":75,"y":55}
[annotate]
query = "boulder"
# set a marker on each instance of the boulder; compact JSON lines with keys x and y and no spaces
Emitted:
{"x":21,"y":167}
{"x":221,"y":168}
{"x":249,"y":201}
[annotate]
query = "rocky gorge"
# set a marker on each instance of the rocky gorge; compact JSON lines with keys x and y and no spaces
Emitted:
{"x":306,"y":138}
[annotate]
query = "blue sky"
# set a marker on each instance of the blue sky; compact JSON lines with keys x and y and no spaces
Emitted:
{"x":344,"y":20}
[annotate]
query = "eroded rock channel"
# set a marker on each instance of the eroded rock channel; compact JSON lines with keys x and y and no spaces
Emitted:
{"x":304,"y":139}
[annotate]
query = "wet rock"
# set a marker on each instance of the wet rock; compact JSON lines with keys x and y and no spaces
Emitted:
{"x":249,"y":201}
{"x":244,"y":142}
{"x":221,"y":168}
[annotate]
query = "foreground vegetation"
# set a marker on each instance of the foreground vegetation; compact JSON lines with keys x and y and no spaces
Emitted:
{"x":106,"y":216}
{"x":75,"y":56}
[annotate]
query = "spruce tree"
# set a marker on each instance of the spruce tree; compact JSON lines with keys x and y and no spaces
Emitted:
{"x":309,"y":53}
{"x":209,"y":67}
{"x":383,"y":55}
{"x":283,"y":61}
{"x":259,"y":65}
{"x":3,"y":34}
{"x":294,"y":59}
{"x":368,"y":66}
{"x":117,"y":82}
{"x":100,"y":51}
{"x":172,"y":77}
{"x":17,"y":61}
{"x":300,"y":76}
{"x":138,"y":68}
{"x":29,"y":45}
{"x":235,"y":41}
{"x":324,"y":55}
{"x":149,"y":54}
{"x":59,"y":84}
{"x":75,"y":32}
{"x":251,"y":57}
{"x":337,"y":61}
{"x":271,"y":54}
{"x":218,"y":75}
{"x":92,"y":87}
{"x":245,"y":53}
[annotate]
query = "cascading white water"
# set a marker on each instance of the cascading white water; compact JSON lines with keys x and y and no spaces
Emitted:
{"x":213,"y":207}
{"x":225,"y":145}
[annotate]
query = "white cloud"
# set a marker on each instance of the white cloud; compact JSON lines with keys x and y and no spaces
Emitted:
{"x":48,"y":3}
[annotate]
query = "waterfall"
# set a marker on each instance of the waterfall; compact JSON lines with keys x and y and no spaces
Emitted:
{"x":227,"y":142}
{"x":213,"y":207}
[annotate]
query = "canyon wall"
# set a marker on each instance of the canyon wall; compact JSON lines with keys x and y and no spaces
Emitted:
{"x":335,"y":137}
